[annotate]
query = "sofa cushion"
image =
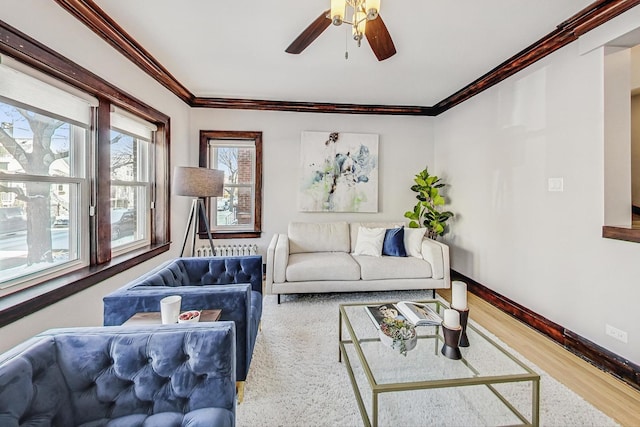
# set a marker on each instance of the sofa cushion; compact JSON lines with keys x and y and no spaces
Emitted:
{"x":322,"y":266}
{"x":355,"y":226}
{"x":307,"y":237}
{"x":393,"y":244}
{"x":389,"y":267}
{"x":413,"y":241}
{"x":370,"y":241}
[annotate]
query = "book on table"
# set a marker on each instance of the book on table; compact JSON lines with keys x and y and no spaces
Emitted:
{"x":414,"y":312}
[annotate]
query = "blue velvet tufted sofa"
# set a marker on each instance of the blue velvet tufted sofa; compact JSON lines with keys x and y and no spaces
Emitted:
{"x":233,"y":284}
{"x":174,"y":375}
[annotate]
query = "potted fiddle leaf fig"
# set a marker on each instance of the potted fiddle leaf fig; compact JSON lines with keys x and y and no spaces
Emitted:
{"x":428,"y":212}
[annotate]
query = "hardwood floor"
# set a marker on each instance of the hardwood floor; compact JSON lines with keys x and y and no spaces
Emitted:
{"x":612,"y":396}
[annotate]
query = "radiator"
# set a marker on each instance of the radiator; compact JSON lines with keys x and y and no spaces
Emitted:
{"x":226,"y":250}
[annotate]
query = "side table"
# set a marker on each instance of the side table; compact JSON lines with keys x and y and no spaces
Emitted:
{"x":154,"y":317}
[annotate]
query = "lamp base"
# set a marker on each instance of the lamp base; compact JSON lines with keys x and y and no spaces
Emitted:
{"x":197,"y":211}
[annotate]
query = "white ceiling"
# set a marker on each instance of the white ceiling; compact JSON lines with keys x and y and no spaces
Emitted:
{"x":236,"y":48}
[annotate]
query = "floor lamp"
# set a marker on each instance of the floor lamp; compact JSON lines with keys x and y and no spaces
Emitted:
{"x":198,"y":183}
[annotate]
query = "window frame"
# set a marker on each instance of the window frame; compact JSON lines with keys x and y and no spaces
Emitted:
{"x":205,"y":155}
{"x":102,"y":265}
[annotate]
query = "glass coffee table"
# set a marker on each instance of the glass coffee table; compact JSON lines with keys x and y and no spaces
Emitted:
{"x":488,"y":386}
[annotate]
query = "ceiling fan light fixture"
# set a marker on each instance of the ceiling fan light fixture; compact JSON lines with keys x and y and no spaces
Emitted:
{"x":359,"y":25}
{"x":338,"y":8}
{"x":360,"y":11}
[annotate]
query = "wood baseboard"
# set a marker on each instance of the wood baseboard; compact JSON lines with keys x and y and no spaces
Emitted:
{"x":598,"y":356}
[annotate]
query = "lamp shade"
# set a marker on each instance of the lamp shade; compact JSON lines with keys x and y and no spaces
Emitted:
{"x":197,"y":182}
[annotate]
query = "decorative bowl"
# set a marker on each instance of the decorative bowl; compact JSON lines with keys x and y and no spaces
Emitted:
{"x":192,"y":316}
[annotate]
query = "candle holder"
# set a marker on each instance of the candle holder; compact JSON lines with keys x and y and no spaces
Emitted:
{"x":464,"y":318}
{"x":451,"y":340}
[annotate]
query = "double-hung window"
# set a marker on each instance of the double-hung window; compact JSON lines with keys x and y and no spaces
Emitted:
{"x":131,"y":161}
{"x":45,"y":144}
{"x":239,"y":154}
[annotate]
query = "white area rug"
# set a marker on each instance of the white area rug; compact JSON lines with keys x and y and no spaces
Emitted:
{"x":296,"y":380}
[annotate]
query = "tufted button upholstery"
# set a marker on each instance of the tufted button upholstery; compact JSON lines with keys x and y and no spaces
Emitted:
{"x":88,"y":376}
{"x":233,"y":284}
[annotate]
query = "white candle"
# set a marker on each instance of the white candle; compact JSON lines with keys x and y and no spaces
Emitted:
{"x":451,"y":319}
{"x":459,"y":295}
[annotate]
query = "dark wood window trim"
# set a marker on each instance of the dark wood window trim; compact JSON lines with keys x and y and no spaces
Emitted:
{"x":205,"y":136}
{"x":628,"y":234}
{"x":102,"y":265}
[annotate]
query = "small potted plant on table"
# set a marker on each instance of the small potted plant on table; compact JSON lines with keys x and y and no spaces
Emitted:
{"x":398,"y":334}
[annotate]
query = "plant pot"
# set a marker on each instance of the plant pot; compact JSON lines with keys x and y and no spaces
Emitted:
{"x":409,"y":344}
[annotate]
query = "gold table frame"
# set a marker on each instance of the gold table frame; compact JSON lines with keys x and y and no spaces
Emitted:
{"x":377,"y":389}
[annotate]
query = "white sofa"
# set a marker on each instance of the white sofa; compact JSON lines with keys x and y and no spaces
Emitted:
{"x":319,"y":257}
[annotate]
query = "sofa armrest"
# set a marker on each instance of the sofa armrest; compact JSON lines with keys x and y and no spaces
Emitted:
{"x":437,"y":254}
{"x":271,"y":251}
{"x":281,"y":258}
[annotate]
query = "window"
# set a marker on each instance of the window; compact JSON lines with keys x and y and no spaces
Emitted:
{"x":130,"y":202}
{"x":239,"y":155}
{"x":44,"y":141}
{"x":69,"y":157}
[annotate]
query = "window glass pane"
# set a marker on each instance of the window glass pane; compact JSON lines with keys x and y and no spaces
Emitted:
{"x":38,"y":227}
{"x":235,"y":208}
{"x":130,"y":202}
{"x":46,"y":151}
{"x":129,"y":219}
{"x":41,"y":186}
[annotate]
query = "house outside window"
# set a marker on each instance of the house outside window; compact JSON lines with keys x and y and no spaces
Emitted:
{"x":238,"y":212}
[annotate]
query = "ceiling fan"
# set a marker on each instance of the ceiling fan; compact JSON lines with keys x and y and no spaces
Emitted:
{"x":365,"y":21}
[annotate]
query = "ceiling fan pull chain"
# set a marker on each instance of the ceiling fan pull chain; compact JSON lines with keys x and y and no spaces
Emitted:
{"x":346,"y":45}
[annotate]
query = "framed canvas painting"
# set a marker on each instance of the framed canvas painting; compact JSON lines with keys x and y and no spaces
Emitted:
{"x":339,"y":172}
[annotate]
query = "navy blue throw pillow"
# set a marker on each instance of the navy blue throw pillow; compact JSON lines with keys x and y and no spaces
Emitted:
{"x":393,"y":244}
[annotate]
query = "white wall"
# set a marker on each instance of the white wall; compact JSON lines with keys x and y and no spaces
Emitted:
{"x":51,"y":25}
{"x":541,"y":249}
{"x":405,"y":147}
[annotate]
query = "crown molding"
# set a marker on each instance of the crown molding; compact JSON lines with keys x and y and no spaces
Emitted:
{"x":566,"y":32}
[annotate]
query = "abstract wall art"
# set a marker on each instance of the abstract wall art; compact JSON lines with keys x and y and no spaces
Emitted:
{"x":339,"y":172}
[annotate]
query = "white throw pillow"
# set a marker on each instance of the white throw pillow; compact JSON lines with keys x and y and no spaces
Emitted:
{"x":369,"y":241}
{"x":413,"y":241}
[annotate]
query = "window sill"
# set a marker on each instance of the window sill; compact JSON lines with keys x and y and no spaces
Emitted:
{"x":628,"y":234}
{"x":25,"y":302}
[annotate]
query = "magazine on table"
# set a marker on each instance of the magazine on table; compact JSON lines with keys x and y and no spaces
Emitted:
{"x":414,"y":312}
{"x":379,"y":312}
{"x":418,"y":314}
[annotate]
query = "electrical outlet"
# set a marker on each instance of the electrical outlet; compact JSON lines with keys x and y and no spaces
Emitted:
{"x":616,"y":333}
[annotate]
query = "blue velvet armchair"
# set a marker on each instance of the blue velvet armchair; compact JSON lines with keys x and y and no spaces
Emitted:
{"x":174,"y":375}
{"x":233,"y":284}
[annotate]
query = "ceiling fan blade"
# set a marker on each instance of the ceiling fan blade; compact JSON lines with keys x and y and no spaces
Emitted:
{"x":379,"y":39}
{"x":310,"y":33}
